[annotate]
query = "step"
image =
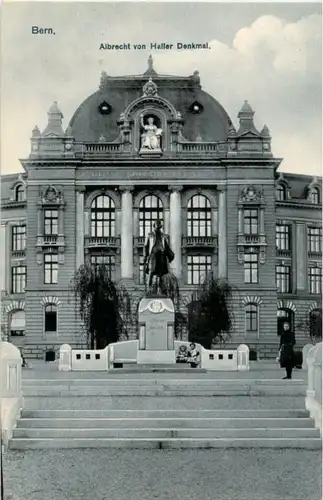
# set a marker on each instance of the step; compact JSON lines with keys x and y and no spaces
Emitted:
{"x":160,"y":382}
{"x":170,"y":423}
{"x":175,"y":443}
{"x":165,"y":433}
{"x":143,"y":368}
{"x":223,"y":402}
{"x":223,"y":390}
{"x":216,"y":413}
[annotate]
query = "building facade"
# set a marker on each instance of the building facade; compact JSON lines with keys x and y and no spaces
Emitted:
{"x":90,"y":193}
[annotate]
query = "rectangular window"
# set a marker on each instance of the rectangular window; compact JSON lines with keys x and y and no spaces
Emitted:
{"x":283,"y":279}
{"x":18,"y":279}
{"x":50,"y":222}
{"x":283,"y":237}
{"x":51,"y":268}
{"x":251,"y":268}
{"x":252,"y":318}
{"x":315,"y":280}
{"x":103,"y":223}
{"x":18,"y":239}
{"x":314,"y":239}
{"x":197,"y":268}
{"x":109,"y":261}
{"x":250,"y":221}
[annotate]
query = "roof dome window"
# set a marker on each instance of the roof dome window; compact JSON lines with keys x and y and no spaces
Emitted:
{"x":196,"y":108}
{"x":105,"y":108}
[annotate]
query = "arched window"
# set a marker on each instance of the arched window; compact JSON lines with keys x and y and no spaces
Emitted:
{"x":251,"y":313}
{"x":315,"y":196}
{"x":50,"y":318}
{"x":103,"y":217}
{"x":150,"y":209}
{"x":199,"y":216}
{"x":17,"y":323}
{"x":20,"y":193}
{"x":280,"y":192}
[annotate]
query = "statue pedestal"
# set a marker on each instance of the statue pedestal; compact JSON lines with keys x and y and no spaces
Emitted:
{"x":156,"y":331}
{"x":150,"y":152}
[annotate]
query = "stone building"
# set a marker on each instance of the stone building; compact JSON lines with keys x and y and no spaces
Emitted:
{"x":155,"y":146}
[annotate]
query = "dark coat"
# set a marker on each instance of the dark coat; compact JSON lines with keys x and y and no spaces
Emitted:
{"x":287,"y":338}
{"x":287,"y":343}
{"x":159,"y":256}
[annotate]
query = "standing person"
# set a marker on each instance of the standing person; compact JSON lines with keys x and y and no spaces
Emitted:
{"x":287,"y":342}
{"x":193,"y":355}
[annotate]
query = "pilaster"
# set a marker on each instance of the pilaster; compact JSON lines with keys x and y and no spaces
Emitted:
{"x":222,"y":235}
{"x":126,"y":233}
{"x":301,"y":257}
{"x":175,"y":228}
{"x":79,"y":226}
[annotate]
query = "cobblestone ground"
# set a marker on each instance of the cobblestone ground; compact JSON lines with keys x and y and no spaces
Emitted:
{"x":163,"y":475}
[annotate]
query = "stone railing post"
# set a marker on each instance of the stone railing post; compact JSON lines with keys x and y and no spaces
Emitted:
{"x":313,"y":400}
{"x":11,"y":400}
{"x":306,"y":349}
{"x":65,"y":358}
{"x":243,"y":358}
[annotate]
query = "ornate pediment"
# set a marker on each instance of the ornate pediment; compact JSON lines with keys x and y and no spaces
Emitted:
{"x":250,"y":194}
{"x":150,"y":88}
{"x":51,"y":195}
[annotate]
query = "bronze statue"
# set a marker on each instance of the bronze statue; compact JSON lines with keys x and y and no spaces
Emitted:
{"x":158,"y":255}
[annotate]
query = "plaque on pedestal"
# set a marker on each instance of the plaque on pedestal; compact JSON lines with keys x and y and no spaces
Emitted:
{"x":156,"y":331}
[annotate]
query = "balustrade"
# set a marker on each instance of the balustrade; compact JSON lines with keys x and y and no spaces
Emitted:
{"x":199,"y":241}
{"x":102,"y":242}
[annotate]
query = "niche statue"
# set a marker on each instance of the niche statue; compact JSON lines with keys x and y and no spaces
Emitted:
{"x":158,"y":255}
{"x":150,"y":138}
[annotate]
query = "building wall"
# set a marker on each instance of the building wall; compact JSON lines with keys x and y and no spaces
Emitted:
{"x":37,"y":294}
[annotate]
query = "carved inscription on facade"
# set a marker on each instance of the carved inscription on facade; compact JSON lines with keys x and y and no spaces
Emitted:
{"x":119,"y":174}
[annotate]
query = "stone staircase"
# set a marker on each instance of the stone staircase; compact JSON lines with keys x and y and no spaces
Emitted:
{"x":163,"y":411}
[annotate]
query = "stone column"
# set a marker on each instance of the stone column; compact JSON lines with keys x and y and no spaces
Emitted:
{"x":222,"y":235}
{"x":240,"y":221}
{"x":166,"y":220}
{"x":79,"y":226}
{"x":301,"y":257}
{"x":175,"y":229}
{"x":39,"y":221}
{"x":126,"y":233}
{"x":61,"y":221}
{"x":214,"y":222}
{"x":262,"y":221}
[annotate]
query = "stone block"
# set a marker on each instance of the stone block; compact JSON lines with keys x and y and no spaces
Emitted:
{"x":156,"y":330}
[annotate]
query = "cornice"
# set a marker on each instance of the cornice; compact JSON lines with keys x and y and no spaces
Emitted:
{"x":167,"y":161}
{"x":298,"y":204}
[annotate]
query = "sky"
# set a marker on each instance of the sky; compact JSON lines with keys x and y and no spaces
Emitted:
{"x":269,"y":54}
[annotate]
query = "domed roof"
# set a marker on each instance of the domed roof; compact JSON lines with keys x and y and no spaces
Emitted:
{"x":204,"y":118}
